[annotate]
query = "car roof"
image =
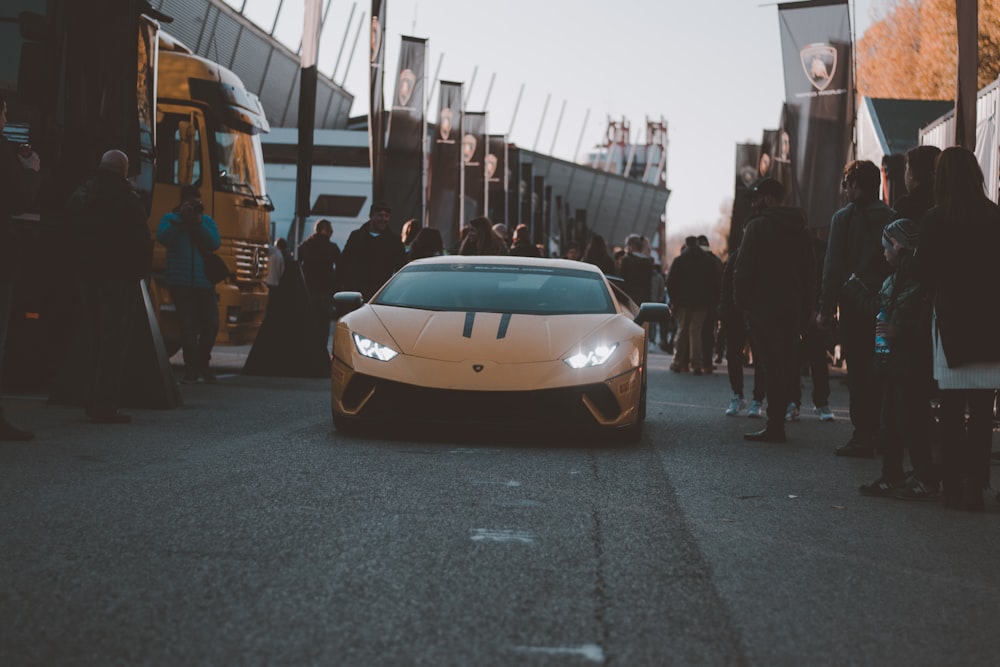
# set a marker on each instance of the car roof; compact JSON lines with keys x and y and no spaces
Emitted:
{"x":508,"y":260}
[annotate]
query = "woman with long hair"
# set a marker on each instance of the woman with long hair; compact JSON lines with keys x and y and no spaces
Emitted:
{"x":596,"y":253}
{"x":956,"y":261}
{"x":427,"y":243}
{"x":482,"y":240}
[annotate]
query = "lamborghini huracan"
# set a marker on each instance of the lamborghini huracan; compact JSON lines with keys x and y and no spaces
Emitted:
{"x":493,"y":342}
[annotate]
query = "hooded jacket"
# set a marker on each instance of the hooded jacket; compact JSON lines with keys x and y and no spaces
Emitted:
{"x":185,"y":266}
{"x":775,"y":269}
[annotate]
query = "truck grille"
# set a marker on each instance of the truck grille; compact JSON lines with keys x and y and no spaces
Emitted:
{"x":250,"y":257}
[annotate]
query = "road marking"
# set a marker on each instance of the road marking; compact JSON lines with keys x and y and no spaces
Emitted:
{"x":493,"y":535}
{"x":591,"y":652}
{"x":518,"y":503}
{"x":510,"y":482}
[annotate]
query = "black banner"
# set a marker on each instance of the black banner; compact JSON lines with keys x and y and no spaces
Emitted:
{"x":748,"y":159}
{"x":819,"y":96}
{"x":474,"y":164}
{"x":497,"y":176}
{"x":527,"y":199}
{"x":445,"y":178}
{"x":514,"y":188}
{"x":376,"y":101}
{"x":405,"y":153}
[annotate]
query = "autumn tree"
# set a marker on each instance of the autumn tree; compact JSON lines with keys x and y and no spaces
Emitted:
{"x":911,"y":50}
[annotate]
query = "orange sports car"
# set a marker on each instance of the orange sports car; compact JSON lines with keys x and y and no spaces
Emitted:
{"x":493,"y":342}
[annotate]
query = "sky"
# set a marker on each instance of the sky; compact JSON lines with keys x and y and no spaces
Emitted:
{"x":710,"y":68}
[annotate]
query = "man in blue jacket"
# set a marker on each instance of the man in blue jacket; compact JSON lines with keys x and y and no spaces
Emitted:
{"x":187,"y":233}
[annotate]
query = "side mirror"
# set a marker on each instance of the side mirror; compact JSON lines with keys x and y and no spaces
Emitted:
{"x":652,"y":312}
{"x":347,"y":302}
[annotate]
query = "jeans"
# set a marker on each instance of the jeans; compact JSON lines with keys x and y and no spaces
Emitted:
{"x":812,"y":352}
{"x":198,"y":311}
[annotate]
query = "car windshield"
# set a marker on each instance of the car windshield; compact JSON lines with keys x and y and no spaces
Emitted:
{"x":497,"y":288}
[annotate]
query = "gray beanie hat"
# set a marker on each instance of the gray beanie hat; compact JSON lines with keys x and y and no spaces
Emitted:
{"x":904,"y":230}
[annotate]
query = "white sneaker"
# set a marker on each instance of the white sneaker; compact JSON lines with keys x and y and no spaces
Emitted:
{"x":756,"y":408}
{"x":736,"y":404}
{"x":824,"y":412}
{"x":792,"y":413}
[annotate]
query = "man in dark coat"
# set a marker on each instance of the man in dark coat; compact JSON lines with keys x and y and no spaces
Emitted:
{"x":372,"y":254}
{"x":855,"y":247}
{"x":18,"y":185}
{"x":108,"y":222}
{"x":319,"y":258}
{"x":693,"y":286}
{"x":773,"y":283}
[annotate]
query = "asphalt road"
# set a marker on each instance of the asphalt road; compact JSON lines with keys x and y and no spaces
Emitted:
{"x":242,"y":530}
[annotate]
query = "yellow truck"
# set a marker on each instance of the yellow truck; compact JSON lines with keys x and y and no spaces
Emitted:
{"x":207,"y":134}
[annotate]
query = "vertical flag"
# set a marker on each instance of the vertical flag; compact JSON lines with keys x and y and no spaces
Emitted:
{"x":527,"y":197}
{"x":747,"y":161}
{"x":308,"y":77}
{"x":376,"y":101}
{"x":967,"y":87}
{"x":513,"y":177}
{"x":474,"y":163}
{"x":496,"y":179}
{"x":819,"y":93}
{"x":446,"y":165}
{"x":405,"y":146}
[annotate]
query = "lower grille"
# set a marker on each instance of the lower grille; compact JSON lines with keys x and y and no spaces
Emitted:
{"x":394,"y":401}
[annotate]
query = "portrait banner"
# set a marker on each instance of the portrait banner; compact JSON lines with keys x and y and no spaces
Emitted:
{"x":376,"y":101}
{"x":474,"y":163}
{"x":497,"y":176}
{"x":445,"y":174}
{"x":819,"y":94}
{"x":405,"y":153}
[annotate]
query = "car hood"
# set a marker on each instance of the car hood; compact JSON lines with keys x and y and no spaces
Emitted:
{"x":503,"y":338}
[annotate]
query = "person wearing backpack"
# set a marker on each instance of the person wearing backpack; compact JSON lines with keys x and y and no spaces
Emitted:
{"x":188,"y":235}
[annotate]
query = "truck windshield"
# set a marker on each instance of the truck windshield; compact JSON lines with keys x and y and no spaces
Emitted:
{"x":239,"y":162}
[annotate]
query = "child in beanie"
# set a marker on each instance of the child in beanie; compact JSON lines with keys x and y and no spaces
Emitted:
{"x":906,"y":418}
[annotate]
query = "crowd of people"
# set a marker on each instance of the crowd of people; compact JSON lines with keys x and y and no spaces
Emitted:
{"x":907,"y":290}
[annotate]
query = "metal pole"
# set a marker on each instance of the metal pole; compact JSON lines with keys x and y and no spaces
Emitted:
{"x":513,"y":115}
{"x":486,"y":102}
{"x":277,"y":14}
{"x":347,"y":29}
{"x":579,"y":142}
{"x":538,"y":135}
{"x":468,"y":91}
{"x":354,"y":47}
{"x":555,"y":134}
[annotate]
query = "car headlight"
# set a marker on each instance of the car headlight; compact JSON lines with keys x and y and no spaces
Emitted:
{"x":369,"y":348}
{"x":592,"y":357}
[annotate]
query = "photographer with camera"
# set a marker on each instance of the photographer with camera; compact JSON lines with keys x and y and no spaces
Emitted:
{"x":187,"y":233}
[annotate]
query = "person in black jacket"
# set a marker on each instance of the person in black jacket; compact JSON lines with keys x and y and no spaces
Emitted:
{"x":855,"y":247}
{"x":693,"y":285}
{"x":108,"y":223}
{"x":319,"y":258}
{"x":18,"y":185}
{"x":773,"y":284}
{"x":372,"y":254}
